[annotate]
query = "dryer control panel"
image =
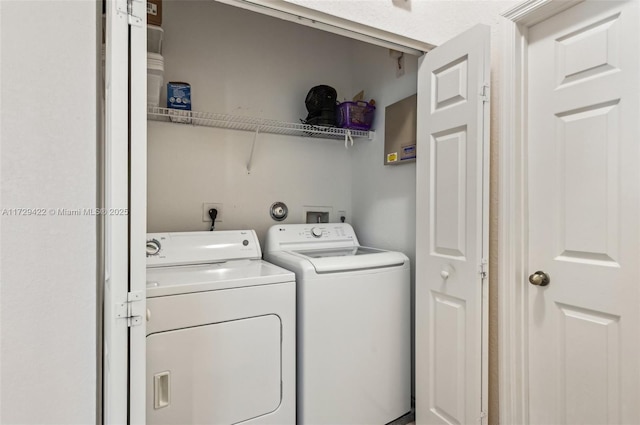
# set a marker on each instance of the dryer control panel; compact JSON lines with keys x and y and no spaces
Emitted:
{"x":165,"y":249}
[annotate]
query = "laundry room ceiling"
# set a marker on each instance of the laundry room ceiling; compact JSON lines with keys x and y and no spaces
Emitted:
{"x":430,"y":21}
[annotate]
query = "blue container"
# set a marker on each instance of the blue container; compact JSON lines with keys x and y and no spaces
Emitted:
{"x":179,"y":95}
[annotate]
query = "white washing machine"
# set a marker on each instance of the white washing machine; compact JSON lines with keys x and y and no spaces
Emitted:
{"x":354,"y":337}
{"x":220,"y":331}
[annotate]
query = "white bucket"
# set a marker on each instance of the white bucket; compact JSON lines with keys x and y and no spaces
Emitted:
{"x":155,"y":78}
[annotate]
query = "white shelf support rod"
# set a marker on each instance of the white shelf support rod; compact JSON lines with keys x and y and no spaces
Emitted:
{"x":253,"y":147}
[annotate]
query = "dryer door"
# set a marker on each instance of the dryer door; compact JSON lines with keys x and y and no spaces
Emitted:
{"x":221,"y":373}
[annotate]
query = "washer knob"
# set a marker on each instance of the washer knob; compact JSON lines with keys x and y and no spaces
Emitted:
{"x":153,"y":247}
{"x":316,"y":232}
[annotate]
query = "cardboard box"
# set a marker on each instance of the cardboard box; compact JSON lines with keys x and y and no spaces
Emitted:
{"x":154,"y":12}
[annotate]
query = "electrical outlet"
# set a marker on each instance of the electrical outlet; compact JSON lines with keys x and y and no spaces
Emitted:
{"x":340,"y":215}
{"x":205,"y":212}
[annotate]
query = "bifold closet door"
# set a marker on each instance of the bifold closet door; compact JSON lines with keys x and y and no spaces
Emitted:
{"x":452,"y":229}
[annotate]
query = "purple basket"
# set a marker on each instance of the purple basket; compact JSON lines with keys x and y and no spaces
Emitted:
{"x":355,"y":115}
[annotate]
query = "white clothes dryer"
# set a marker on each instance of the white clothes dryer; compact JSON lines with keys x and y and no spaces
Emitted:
{"x":220,"y":331}
{"x":354,"y":324}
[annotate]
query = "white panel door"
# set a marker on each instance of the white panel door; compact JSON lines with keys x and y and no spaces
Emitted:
{"x":452,"y":227}
{"x":583,"y":211}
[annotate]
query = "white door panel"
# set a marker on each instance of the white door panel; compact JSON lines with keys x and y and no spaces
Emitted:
{"x":138,"y":212}
{"x":583,"y":186}
{"x":116,"y":229}
{"x":451,"y":230}
{"x":124,"y":213}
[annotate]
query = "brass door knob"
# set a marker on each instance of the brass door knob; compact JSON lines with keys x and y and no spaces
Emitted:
{"x":539,"y":278}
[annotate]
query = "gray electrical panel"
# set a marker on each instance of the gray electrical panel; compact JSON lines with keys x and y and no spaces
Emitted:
{"x":400,"y":131}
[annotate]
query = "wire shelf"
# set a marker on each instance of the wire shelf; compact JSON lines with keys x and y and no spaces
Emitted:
{"x":236,"y":122}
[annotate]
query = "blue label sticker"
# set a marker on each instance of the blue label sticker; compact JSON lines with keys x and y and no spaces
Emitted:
{"x":408,"y":152}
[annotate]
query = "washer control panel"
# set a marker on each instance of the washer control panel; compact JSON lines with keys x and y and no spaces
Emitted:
{"x":325,"y":232}
{"x":286,"y":237}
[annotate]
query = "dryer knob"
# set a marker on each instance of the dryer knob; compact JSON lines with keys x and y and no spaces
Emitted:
{"x":316,"y":232}
{"x":153,"y":247}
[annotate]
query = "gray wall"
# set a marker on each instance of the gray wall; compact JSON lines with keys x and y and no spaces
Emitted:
{"x":48,"y":263}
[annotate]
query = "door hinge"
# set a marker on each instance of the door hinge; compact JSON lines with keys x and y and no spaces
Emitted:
{"x":483,"y":417}
{"x":483,"y":269}
{"x":485,"y":94}
{"x":136,"y":12}
{"x":132,"y":309}
{"x":122,"y":7}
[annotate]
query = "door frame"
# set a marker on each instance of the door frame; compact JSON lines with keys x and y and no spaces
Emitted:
{"x":131,"y":408}
{"x":512,"y":190}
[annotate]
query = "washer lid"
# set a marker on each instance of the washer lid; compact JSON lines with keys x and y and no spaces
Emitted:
{"x":351,"y":259}
{"x":175,"y":280}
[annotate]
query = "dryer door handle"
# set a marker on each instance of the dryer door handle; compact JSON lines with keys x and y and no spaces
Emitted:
{"x":161,"y":390}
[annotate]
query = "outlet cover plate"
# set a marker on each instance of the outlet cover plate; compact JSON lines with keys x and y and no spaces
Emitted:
{"x":205,"y":211}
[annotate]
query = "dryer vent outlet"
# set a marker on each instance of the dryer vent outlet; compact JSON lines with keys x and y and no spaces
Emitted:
{"x":317,"y":217}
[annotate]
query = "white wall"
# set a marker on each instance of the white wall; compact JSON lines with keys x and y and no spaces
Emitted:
{"x":383,"y":195}
{"x":242,"y":63}
{"x":384,"y":200}
{"x":48,"y":263}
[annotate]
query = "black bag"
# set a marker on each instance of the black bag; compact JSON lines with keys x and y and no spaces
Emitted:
{"x":321,"y":105}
